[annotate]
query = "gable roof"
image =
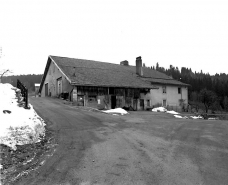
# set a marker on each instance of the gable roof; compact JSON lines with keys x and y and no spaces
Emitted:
{"x":93,"y":73}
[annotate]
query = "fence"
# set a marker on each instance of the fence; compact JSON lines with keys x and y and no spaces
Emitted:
{"x":24,"y":92}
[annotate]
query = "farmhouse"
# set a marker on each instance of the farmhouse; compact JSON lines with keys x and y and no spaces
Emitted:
{"x":106,"y":85}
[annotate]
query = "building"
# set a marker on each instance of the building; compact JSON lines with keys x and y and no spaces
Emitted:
{"x":37,"y":87}
{"x":106,"y":85}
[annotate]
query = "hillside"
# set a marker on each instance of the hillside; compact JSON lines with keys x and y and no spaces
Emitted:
{"x":27,"y":80}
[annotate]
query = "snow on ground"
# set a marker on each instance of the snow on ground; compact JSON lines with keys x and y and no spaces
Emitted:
{"x":159,"y":109}
{"x":172,"y":112}
{"x":178,"y":116}
{"x":182,"y":117}
{"x":212,"y":118}
{"x":19,"y":126}
{"x":116,"y":111}
{"x":162,"y":109}
{"x":196,"y":117}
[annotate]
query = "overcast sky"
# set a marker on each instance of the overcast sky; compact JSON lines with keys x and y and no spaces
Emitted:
{"x":184,"y":33}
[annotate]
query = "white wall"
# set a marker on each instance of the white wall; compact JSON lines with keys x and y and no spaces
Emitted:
{"x":156,"y":96}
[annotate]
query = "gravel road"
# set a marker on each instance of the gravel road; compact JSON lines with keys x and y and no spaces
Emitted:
{"x":139,"y":148}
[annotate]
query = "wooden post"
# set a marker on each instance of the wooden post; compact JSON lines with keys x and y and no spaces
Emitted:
{"x":75,"y":94}
{"x":26,"y":98}
{"x":24,"y":93}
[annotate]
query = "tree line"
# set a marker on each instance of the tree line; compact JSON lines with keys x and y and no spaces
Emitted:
{"x":28,"y":80}
{"x":211,"y":90}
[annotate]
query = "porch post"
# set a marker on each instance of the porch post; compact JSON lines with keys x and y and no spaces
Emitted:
{"x":75,"y":94}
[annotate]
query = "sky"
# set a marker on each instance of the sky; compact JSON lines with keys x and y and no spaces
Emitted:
{"x":182,"y":33}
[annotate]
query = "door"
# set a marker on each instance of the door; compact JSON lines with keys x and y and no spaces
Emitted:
{"x":80,"y":100}
{"x":46,"y":89}
{"x":142,"y":104}
{"x":59,"y":82}
{"x":113,"y":102}
{"x":135,"y":104}
{"x":164,"y":103}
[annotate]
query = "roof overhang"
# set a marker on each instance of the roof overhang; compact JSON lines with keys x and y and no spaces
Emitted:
{"x":171,"y":84}
{"x":132,"y":87}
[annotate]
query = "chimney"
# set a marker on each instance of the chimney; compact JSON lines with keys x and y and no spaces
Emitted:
{"x":139,"y":70}
{"x":124,"y":63}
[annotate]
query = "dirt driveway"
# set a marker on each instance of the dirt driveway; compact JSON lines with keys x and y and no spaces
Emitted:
{"x":140,"y":148}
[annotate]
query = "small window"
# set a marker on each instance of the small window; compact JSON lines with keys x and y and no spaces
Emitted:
{"x":53,"y":68}
{"x":148,"y":103}
{"x":179,"y":90}
{"x":164,"y":103}
{"x":164,"y":89}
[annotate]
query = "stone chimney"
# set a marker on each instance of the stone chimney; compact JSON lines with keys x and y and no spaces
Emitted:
{"x":124,"y":63}
{"x":139,"y":70}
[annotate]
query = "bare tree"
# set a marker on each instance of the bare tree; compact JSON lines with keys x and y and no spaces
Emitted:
{"x":4,"y":73}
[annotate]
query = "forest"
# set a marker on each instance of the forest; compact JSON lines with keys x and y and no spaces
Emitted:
{"x":27,"y":80}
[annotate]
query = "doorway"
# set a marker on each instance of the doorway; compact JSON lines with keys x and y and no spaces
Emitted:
{"x":59,"y":85}
{"x":80,"y":99}
{"x":164,"y":103}
{"x":142,"y":104}
{"x":113,"y":102}
{"x":135,"y":104}
{"x":46,"y":89}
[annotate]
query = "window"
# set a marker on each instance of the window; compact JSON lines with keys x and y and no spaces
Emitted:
{"x":179,"y":90}
{"x":164,"y":103}
{"x":53,"y":68}
{"x":148,"y":103}
{"x":164,"y":89}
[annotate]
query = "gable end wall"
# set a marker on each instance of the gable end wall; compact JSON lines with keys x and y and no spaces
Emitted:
{"x":51,"y":78}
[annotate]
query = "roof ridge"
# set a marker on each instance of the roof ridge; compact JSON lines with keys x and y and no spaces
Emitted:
{"x":90,"y":68}
{"x":90,"y":60}
{"x":161,"y":78}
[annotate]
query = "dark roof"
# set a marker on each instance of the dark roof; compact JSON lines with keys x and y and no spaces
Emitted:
{"x":94,"y":73}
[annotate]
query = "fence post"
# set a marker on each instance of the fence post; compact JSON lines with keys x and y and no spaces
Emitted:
{"x":26,"y":98}
{"x":24,"y":92}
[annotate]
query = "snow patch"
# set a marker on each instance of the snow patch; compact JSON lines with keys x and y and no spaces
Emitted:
{"x":181,"y":117}
{"x":19,"y":126}
{"x":172,"y":112}
{"x":196,"y":117}
{"x":213,"y":118}
{"x":162,"y":109}
{"x":159,"y":109}
{"x":178,"y":116}
{"x":116,"y":111}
